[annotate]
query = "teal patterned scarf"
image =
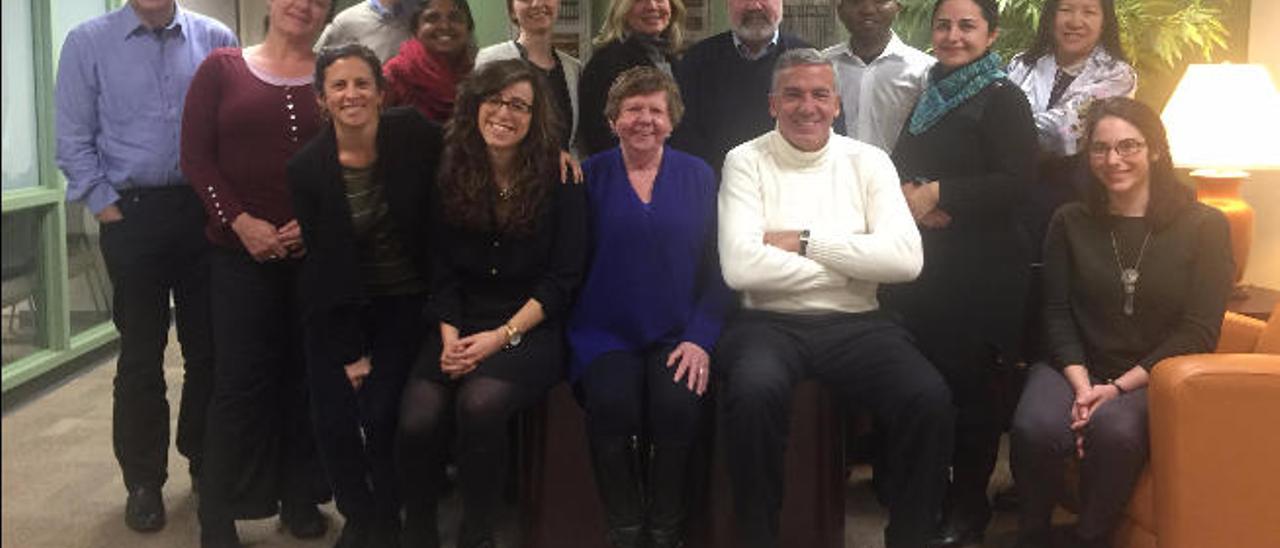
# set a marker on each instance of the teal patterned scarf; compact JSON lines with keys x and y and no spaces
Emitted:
{"x":943,"y":94}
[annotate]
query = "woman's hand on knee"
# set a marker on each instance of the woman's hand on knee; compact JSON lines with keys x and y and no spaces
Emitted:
{"x":693,"y":364}
{"x":357,"y":371}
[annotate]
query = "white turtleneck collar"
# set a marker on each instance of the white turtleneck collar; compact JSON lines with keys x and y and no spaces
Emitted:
{"x":792,"y":157}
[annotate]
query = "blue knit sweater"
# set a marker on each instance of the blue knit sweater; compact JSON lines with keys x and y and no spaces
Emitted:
{"x":654,"y":273}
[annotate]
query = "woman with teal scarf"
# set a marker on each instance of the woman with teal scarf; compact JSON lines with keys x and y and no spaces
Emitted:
{"x":966,"y":158}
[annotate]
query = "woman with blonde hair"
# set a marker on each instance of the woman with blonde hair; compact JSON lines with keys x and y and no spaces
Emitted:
{"x":635,"y":33}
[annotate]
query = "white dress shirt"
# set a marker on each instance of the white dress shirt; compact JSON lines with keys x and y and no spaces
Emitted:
{"x":877,"y":97}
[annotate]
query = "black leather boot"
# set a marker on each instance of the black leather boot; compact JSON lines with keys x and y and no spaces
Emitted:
{"x":420,"y":529}
{"x":668,"y":466}
{"x":616,"y":463}
{"x":965,"y":523}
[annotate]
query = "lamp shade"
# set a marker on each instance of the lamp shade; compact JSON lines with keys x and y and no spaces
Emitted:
{"x":1224,"y":117}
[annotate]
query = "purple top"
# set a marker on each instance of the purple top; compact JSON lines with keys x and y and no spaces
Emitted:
{"x":240,"y":127}
{"x":654,"y":273}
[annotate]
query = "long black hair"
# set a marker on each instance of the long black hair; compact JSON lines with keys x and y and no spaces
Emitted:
{"x":1109,"y":40}
{"x":1168,"y":196}
{"x":466,"y":179}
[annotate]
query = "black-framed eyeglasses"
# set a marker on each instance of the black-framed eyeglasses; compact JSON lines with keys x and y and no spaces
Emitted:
{"x":1124,"y":148}
{"x":517,"y":106}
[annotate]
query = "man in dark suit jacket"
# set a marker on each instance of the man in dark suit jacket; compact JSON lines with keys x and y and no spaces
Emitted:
{"x":725,"y":81}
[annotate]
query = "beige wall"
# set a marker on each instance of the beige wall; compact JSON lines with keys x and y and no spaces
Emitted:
{"x":222,"y":10}
{"x":1263,"y":190}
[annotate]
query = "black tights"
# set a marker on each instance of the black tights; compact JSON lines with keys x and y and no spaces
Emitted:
{"x":478,"y":409}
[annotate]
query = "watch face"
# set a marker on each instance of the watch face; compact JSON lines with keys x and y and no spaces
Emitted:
{"x":515,"y":339}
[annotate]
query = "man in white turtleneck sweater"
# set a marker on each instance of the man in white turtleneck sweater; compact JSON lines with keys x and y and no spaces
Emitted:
{"x":810,"y":223}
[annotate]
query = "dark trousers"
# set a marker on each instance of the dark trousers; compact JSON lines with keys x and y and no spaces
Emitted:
{"x":865,"y":359}
{"x":355,"y":429}
{"x":158,"y":250}
{"x":973,"y":372}
{"x":478,"y":409}
{"x":259,"y":449}
{"x":1115,"y":450}
{"x":632,"y":394}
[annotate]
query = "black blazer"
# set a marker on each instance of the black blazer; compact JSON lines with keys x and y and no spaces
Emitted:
{"x":604,"y":66}
{"x":332,"y":291}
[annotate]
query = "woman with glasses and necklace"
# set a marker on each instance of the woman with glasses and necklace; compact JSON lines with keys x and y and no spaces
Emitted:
{"x":509,"y":247}
{"x":966,"y":157}
{"x":1136,"y":273}
{"x":536,"y":20}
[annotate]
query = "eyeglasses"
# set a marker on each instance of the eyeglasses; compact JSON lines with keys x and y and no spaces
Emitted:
{"x":517,"y":106}
{"x":1125,"y":148}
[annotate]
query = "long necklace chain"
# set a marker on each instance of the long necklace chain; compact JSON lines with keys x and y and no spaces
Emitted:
{"x":1129,"y":276}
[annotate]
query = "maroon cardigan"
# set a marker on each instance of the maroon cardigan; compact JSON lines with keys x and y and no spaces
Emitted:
{"x":239,"y":127}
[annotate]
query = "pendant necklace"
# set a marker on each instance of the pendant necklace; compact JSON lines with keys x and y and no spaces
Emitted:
{"x":1129,"y":276}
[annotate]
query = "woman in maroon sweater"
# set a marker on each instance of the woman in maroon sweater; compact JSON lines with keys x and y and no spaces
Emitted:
{"x":246,"y":113}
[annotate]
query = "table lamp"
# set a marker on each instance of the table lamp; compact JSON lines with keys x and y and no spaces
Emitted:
{"x":1222,"y":120}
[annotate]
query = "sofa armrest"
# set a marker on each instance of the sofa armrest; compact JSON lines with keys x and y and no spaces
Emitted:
{"x":1215,"y":450}
{"x":1240,"y":333}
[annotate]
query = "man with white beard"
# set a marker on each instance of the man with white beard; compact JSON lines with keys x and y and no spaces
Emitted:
{"x":725,"y":81}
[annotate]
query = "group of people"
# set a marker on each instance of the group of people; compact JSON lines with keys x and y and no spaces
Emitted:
{"x":380,"y":248}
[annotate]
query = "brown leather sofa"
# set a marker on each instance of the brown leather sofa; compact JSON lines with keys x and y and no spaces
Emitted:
{"x":1214,"y":476}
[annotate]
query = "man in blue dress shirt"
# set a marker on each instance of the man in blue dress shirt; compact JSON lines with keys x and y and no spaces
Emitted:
{"x":122,"y":80}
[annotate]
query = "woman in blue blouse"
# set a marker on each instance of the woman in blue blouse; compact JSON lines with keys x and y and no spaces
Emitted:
{"x":650,"y":310}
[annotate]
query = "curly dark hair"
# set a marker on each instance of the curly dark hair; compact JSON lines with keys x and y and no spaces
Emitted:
{"x":1168,"y":196}
{"x":1110,"y":39}
{"x":467,"y":187}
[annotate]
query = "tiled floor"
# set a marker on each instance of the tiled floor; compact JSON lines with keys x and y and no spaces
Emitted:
{"x":61,"y":487}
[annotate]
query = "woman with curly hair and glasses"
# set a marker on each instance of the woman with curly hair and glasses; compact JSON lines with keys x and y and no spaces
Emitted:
{"x":509,"y":254}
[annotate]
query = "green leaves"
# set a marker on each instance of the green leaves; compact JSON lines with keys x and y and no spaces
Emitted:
{"x":1157,"y":34}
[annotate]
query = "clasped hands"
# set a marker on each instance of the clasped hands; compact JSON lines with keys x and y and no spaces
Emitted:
{"x":461,"y":355}
{"x":922,"y":200}
{"x":1087,"y":401}
{"x":265,"y":242}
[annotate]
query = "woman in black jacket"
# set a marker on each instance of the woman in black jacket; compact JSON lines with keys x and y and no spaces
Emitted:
{"x":510,"y":251}
{"x":361,"y":191}
{"x":966,"y":157}
{"x":635,"y":33}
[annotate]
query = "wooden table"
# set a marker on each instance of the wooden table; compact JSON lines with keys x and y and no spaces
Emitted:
{"x":1257,"y":302}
